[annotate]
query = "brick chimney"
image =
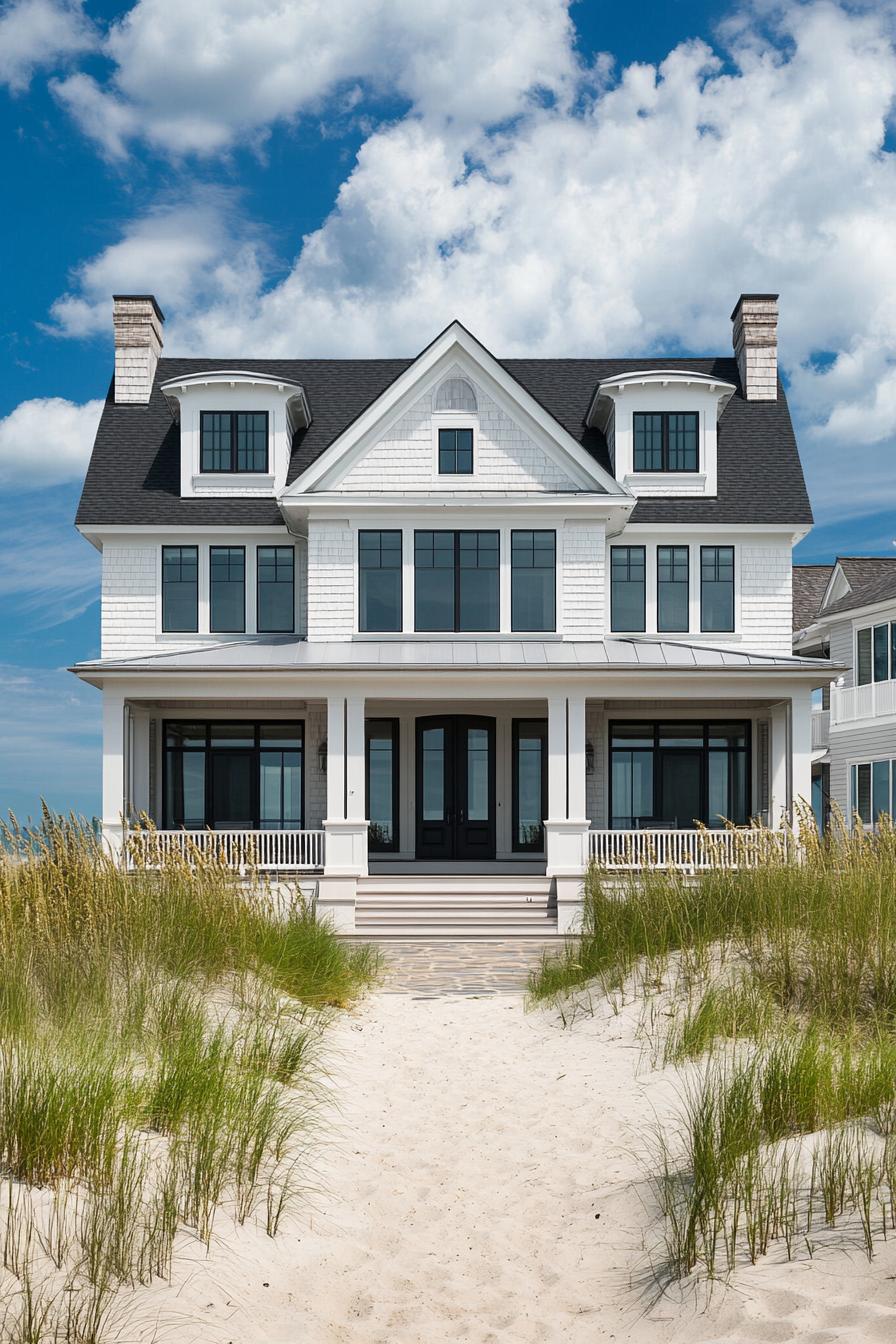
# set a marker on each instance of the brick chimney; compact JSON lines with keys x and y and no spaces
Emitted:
{"x":755,"y":336}
{"x":137,"y":320}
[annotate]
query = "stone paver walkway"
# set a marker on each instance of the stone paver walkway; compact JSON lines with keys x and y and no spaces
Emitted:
{"x":430,"y":968}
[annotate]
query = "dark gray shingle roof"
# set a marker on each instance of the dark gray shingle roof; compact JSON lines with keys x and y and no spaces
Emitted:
{"x":872,"y":578}
{"x":809,"y":584}
{"x":134,"y":472}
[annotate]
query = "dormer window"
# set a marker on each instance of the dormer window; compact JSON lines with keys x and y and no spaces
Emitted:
{"x":665,"y":440}
{"x":456,"y":452}
{"x":234,"y":441}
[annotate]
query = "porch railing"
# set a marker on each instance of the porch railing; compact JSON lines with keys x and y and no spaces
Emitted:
{"x":689,"y":851}
{"x":269,"y":851}
{"x":869,"y":701}
{"x":821,"y":729}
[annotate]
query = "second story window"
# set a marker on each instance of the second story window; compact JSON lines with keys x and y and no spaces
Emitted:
{"x":533,"y":567}
{"x":876,"y":653}
{"x":455,"y":452}
{"x":456,"y":581}
{"x":180,"y":588}
{"x":234,"y":441}
{"x":666,"y":440}
{"x":717,"y":589}
{"x":227,"y":589}
{"x":628,"y":588}
{"x":379,"y":581}
{"x":672,"y":588}
{"x":275,"y":590}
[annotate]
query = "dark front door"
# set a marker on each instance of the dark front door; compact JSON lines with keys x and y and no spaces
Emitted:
{"x":455,"y":788}
{"x":681,"y":788}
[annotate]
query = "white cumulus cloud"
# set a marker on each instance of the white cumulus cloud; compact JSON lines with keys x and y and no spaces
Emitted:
{"x":46,"y":441}
{"x":40,"y":33}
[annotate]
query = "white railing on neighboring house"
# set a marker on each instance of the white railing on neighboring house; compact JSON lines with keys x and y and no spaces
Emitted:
{"x":871,"y":701}
{"x":268,"y":851}
{"x":821,"y":729}
{"x":690,"y":851}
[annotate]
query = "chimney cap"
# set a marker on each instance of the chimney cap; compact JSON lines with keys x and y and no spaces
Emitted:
{"x":143,"y":298}
{"x":773,"y":297}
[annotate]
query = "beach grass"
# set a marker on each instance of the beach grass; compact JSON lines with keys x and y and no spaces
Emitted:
{"x":162,"y":1046}
{"x":778,"y":990}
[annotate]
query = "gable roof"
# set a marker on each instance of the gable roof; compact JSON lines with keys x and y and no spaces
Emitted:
{"x":809,"y":586}
{"x":871,"y":578}
{"x":134,"y":472}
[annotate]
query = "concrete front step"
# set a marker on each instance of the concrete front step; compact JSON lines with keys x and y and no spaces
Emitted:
{"x":460,"y":932}
{"x":458,"y":886}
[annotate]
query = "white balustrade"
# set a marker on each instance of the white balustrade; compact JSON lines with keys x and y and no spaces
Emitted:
{"x":871,"y":701}
{"x":689,"y":851}
{"x":268,"y":851}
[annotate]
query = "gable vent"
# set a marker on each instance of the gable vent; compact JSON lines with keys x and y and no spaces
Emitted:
{"x":456,"y":394}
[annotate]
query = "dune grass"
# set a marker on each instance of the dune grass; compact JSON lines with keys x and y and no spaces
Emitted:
{"x":160,"y":1058}
{"x":778,"y":985}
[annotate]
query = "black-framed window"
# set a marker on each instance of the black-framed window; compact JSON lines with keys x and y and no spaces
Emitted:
{"x":233,"y":441}
{"x":455,"y":452}
{"x":457,"y":581}
{"x":180,"y":588}
{"x":873,"y":790}
{"x":672,"y":588}
{"x":677,"y":773}
{"x":275,"y":590}
{"x":382,"y":781}
{"x":227,"y":589}
{"x":666,"y":440}
{"x":232,"y":775}
{"x":533,"y":580}
{"x":628,"y":588}
{"x":379,"y":581}
{"x":716,"y":589}
{"x":876,"y":653}
{"x":530,"y":784}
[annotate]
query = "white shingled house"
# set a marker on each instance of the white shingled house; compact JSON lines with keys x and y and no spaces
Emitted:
{"x":433,"y":632}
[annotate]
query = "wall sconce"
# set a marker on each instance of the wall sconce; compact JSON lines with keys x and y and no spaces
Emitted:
{"x":589,"y":758}
{"x":322,"y":756}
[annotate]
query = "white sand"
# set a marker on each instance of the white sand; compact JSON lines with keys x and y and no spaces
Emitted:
{"x":476,"y":1147}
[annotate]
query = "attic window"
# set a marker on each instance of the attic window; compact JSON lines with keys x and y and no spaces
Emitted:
{"x":666,"y":440}
{"x":456,"y":394}
{"x":234,"y":441}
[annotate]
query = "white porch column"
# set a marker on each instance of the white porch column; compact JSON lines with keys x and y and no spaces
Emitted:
{"x":779,"y":763}
{"x":566,"y":826}
{"x":345,"y":854}
{"x":801,"y":749}
{"x":113,"y":772}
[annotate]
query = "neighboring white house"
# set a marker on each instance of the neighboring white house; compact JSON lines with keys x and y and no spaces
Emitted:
{"x":456,"y":618}
{"x":847,"y":611}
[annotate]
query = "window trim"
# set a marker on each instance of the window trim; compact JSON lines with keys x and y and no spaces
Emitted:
{"x":618,"y":629}
{"x":226,"y":630}
{"x":255,"y":750}
{"x":233,"y":469}
{"x":395,"y":725}
{"x":664,"y":468}
{"x":380,"y":532}
{"x":455,"y":429}
{"x":457,"y":532}
{"x":531,"y":531}
{"x":259,"y":628}
{"x":728,"y":630}
{"x":515,"y":844}
{"x":178,"y":630}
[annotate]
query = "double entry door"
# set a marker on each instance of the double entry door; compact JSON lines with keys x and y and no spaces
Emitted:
{"x":455,"y":787}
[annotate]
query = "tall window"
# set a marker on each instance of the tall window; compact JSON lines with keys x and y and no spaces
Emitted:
{"x":628,"y":588}
{"x":382,"y":783}
{"x":530,"y":764}
{"x":234,"y":440}
{"x":379,"y":581}
{"x":716,"y":588}
{"x":876,"y":653}
{"x":533,"y":566}
{"x":455,"y":452}
{"x":666,"y":440}
{"x":275,"y":590}
{"x":232,"y":775}
{"x":180,"y":588}
{"x":672,"y":588}
{"x":227,"y":589}
{"x":456,"y":581}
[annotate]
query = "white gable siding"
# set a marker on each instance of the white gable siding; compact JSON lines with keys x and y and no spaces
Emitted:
{"x":583,"y":580}
{"x":331,"y":580}
{"x":766,"y":596}
{"x":505,"y":458}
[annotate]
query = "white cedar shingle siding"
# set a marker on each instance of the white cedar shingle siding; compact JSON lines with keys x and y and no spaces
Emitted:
{"x":504,"y":457}
{"x":766,"y":598}
{"x":581,"y":557}
{"x":331,"y":581}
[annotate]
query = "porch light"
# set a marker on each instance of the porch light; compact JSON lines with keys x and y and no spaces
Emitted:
{"x":322,"y":756}
{"x":589,"y":758}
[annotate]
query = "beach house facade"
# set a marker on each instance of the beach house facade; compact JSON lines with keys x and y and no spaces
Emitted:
{"x":450,"y":625}
{"x":846,"y":612}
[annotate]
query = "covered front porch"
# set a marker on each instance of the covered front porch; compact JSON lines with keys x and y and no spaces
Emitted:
{"x":471,"y":802}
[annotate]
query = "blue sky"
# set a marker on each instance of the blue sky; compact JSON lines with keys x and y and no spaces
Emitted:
{"x":344,"y":179}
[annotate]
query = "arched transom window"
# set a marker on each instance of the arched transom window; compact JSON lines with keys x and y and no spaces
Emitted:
{"x":456,"y":394}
